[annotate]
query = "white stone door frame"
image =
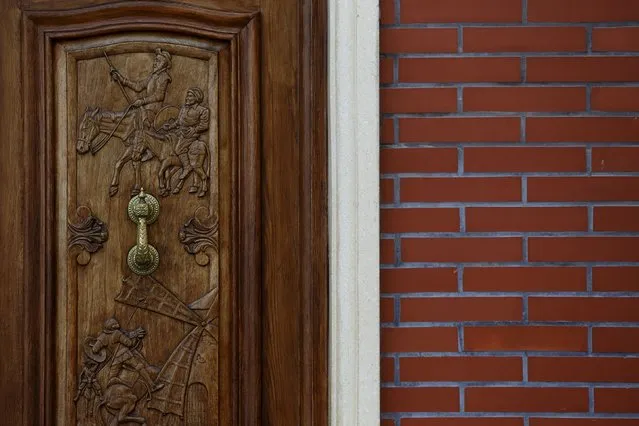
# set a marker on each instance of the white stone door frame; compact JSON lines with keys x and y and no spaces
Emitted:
{"x":354,"y":353}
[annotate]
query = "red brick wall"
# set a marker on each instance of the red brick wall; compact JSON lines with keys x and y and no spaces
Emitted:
{"x":510,"y":212}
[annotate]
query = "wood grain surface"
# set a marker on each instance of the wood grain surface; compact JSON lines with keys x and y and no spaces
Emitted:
{"x":261,"y":67}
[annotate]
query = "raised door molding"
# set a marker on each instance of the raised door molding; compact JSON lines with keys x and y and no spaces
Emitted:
{"x":58,"y":321}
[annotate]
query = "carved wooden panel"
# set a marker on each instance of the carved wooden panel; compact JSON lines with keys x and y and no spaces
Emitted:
{"x":256,"y":229}
{"x":141,"y":112}
{"x":150,"y":130}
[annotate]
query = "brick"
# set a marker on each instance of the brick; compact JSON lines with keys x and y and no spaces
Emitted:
{"x":386,"y":191}
{"x":459,"y":70}
{"x":615,"y":159}
{"x":425,"y":11}
{"x":615,"y":99}
{"x":461,"y":129}
{"x":526,"y":338}
{"x":624,"y":39}
{"x":524,"y":39}
{"x":582,"y":69}
{"x":460,"y":369}
{"x":615,"y":339}
{"x":414,"y":399}
{"x":583,"y":249}
{"x":583,"y":422}
{"x":419,"y":339}
{"x":460,"y":189}
{"x":420,"y":220}
{"x":524,"y":159}
{"x":582,"y":10}
{"x":452,"y":309}
{"x":387,"y":251}
{"x":415,"y":280}
{"x":409,"y":100}
{"x":388,"y":131}
{"x":418,"y":160}
{"x":616,"y":400}
{"x":459,"y":250}
{"x":387,"y":12}
{"x":526,"y":219}
{"x":387,"y":369}
{"x":582,"y":129}
{"x":599,"y":188}
{"x":592,"y":309}
{"x":387,"y":309}
{"x":531,"y":400}
{"x":463,"y":421}
{"x":386,"y":70}
{"x":527,"y":279}
{"x":418,"y":40}
{"x":615,"y":278}
{"x":388,"y":422}
{"x":622,"y":219}
{"x":524,"y":99}
{"x":583,"y":369}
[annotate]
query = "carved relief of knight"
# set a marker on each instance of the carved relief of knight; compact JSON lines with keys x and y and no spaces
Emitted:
{"x":151,"y":129}
{"x":147,"y":114}
{"x":128,"y":374}
{"x":117,"y":385}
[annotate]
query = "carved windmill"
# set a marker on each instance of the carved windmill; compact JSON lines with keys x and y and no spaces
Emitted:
{"x":183,"y":366}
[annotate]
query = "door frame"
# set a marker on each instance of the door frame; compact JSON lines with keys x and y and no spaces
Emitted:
{"x":353,"y":35}
{"x":353,"y":111}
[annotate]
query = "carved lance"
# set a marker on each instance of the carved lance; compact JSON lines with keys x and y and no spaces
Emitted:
{"x":101,"y":144}
{"x":114,"y":69}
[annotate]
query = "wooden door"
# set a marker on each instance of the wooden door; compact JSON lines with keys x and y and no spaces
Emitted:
{"x":163,"y":220}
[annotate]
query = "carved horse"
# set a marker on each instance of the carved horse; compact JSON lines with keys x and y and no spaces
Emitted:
{"x":94,"y":130}
{"x":119,"y":402}
{"x":122,"y":395}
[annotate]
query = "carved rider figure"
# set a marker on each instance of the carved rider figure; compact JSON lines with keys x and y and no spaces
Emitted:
{"x":144,"y":109}
{"x":122,"y":345}
{"x":192,"y":122}
{"x":152,"y":88}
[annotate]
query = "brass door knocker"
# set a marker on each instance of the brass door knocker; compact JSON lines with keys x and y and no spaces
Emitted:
{"x":143,"y":258}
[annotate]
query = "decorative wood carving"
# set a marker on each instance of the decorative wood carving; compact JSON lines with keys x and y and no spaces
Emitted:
{"x":197,"y":235}
{"x":150,"y":128}
{"x":117,"y":377}
{"x":89,"y":233}
{"x":271,"y":192}
{"x":154,"y":95}
{"x":151,"y":125}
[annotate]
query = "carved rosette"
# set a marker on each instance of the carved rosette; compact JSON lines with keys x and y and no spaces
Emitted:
{"x":89,"y":233}
{"x":199,"y":235}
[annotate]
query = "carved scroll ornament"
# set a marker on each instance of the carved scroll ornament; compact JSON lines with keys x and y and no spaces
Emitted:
{"x":89,"y":233}
{"x":199,"y":235}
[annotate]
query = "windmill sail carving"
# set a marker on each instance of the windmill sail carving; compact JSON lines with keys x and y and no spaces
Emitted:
{"x":149,"y":294}
{"x":176,"y":375}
